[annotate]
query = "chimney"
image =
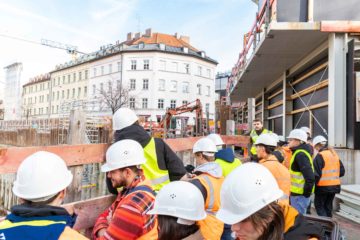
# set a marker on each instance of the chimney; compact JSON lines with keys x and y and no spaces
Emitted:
{"x":185,"y":39}
{"x":130,"y":36}
{"x":148,"y":32}
{"x":137,"y":35}
{"x":177,"y":35}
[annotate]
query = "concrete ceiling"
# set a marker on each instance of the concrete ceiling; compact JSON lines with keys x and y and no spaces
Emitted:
{"x":278,"y":52}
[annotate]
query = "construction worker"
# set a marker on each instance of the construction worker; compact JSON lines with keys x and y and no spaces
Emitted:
{"x":328,"y":170}
{"x":282,"y":152}
{"x":178,"y":206}
{"x":265,"y":145}
{"x":249,"y":203}
{"x":309,"y":138}
{"x":126,"y":218}
{"x":225,"y":157}
{"x":257,"y":130}
{"x":208,"y":179}
{"x":162,"y":164}
{"x":301,"y":171}
{"x":41,"y":182}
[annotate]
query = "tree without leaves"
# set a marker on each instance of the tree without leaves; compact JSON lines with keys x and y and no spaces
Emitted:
{"x":114,"y":98}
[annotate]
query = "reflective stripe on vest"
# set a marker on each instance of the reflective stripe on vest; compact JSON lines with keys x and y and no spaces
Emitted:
{"x":296,"y":178}
{"x":226,"y":166}
{"x":35,"y":223}
{"x":152,"y":172}
{"x":210,"y":207}
{"x":254,"y":137}
{"x":330,"y":174}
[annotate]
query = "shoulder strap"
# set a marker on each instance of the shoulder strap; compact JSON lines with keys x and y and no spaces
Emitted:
{"x":143,"y":188}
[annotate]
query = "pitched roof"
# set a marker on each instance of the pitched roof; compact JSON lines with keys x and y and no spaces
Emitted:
{"x":156,"y":38}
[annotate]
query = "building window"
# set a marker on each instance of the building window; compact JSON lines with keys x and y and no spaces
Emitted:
{"x":110,"y":68}
{"x":58,"y":83}
{"x":161,"y":104}
{"x":173,"y":85}
{"x":207,"y":107}
{"x":173,"y":104}
{"x":101,"y":87}
{"x":94,"y":72}
{"x":198,"y":89}
{"x":174,"y":66}
{"x":73,"y":93}
{"x":94,"y":89}
{"x":62,"y":94}
{"x":146,"y":64}
{"x":79,"y":93}
{"x":86,"y":74}
{"x":118,"y":84}
{"x":85,"y":91}
{"x":57,"y":108}
{"x":132,"y":84}
{"x":133,"y":64}
{"x":132,"y":103}
{"x":185,"y":102}
{"x":109,"y":87}
{"x":64,"y":79}
{"x":118,"y":66}
{"x":208,"y":73}
{"x":68,"y":94}
{"x":163,"y":65}
{"x":53,"y":84}
{"x":47,"y":98}
{"x":47,"y":110}
{"x":144,"y":103}
{"x":207,"y":90}
{"x":185,"y":88}
{"x":52,"y":109}
{"x":161,"y":84}
{"x":74,"y":77}
{"x":145,"y":84}
{"x":34,"y":111}
{"x":187,"y":68}
{"x":57,"y":96}
{"x":199,"y":70}
{"x":80,"y":76}
{"x":53,"y":96}
{"x":69,"y":78}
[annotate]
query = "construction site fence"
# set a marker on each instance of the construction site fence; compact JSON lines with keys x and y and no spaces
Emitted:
{"x":87,"y":192}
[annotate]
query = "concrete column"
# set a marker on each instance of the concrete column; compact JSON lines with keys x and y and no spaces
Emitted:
{"x":265,"y":113}
{"x":287,"y":122}
{"x":251,"y":111}
{"x":337,"y":90}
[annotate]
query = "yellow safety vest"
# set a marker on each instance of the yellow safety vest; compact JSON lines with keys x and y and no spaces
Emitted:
{"x":226,"y":166}
{"x":254,"y":137}
{"x":152,"y":172}
{"x":296,"y":178}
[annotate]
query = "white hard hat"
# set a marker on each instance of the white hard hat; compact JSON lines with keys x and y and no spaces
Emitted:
{"x":206,"y":146}
{"x":275,"y":136}
{"x":306,"y":130}
{"x":123,"y":118}
{"x":266,"y":139}
{"x":42,"y":174}
{"x":319,"y":139}
{"x":124,"y":153}
{"x":246,"y":190}
{"x":216,"y":139}
{"x":298,"y":134}
{"x":180,"y":199}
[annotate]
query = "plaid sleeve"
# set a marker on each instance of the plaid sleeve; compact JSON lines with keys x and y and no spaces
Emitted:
{"x":130,"y":220}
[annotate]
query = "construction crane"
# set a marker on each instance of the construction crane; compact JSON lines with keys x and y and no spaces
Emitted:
{"x":73,"y":50}
{"x":159,"y":130}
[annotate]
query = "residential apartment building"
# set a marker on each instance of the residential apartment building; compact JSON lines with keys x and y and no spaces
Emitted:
{"x":36,"y":97}
{"x":157,"y":70}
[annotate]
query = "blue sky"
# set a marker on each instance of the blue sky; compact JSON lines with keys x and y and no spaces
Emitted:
{"x":215,"y":26}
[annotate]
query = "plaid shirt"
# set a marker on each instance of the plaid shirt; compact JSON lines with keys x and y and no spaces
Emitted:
{"x":126,"y":218}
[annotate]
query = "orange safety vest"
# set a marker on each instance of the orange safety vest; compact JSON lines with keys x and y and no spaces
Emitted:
{"x":211,"y":228}
{"x":281,"y":174}
{"x":330,"y":174}
{"x":287,"y":156}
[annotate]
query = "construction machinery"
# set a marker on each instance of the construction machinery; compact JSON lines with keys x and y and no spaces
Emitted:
{"x":163,"y":130}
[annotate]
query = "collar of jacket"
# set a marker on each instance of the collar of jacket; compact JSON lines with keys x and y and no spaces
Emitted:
{"x":269,"y":158}
{"x":133,"y":132}
{"x":302,"y":146}
{"x":211,"y":168}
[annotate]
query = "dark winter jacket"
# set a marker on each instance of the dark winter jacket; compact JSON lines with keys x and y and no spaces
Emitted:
{"x":302,"y":164}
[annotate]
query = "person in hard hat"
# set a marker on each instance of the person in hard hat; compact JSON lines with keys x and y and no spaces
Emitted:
{"x":265,"y":146}
{"x":301,"y":171}
{"x":328,"y":170}
{"x":309,"y":139}
{"x":41,"y":182}
{"x":225,"y":157}
{"x":249,"y":197}
{"x":126,"y":218}
{"x":162,"y":164}
{"x":282,"y":152}
{"x":208,"y":179}
{"x":257,"y":130}
{"x":178,"y":206}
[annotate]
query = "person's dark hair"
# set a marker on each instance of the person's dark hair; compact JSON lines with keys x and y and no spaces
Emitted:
{"x":270,"y":220}
{"x":268,"y":149}
{"x":257,"y":120}
{"x":207,"y":158}
{"x":170,"y":229}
